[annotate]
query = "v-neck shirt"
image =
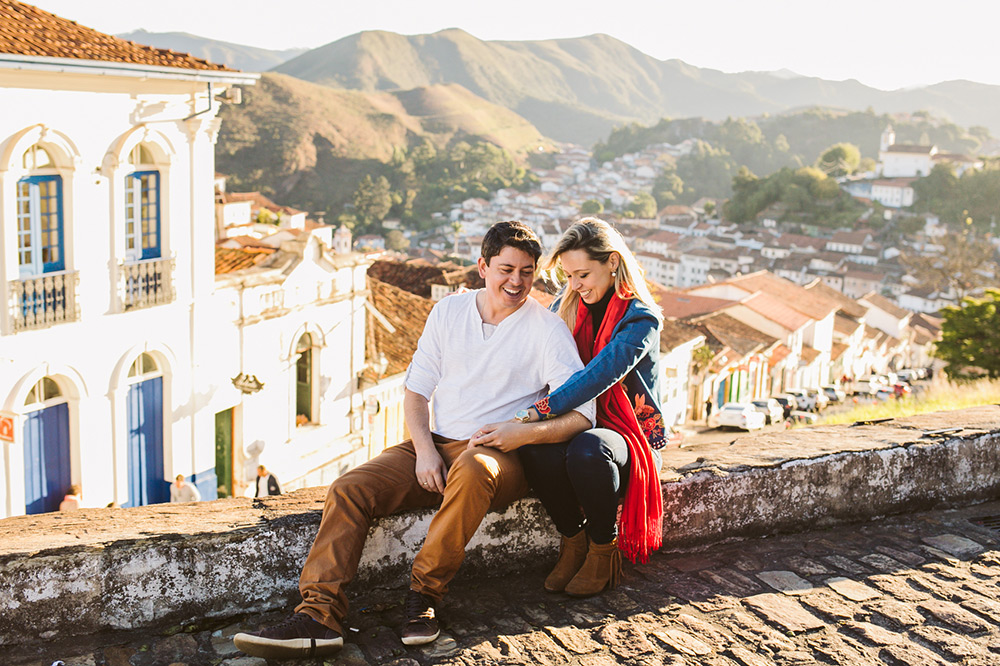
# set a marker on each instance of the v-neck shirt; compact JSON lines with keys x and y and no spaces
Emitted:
{"x":473,"y":379}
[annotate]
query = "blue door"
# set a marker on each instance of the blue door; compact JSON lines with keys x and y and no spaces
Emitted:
{"x":146,"y":484}
{"x":47,"y":472}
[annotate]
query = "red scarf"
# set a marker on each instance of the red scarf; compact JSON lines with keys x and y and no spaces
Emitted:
{"x":641,"y":522}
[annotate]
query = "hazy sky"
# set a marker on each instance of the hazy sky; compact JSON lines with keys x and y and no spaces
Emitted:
{"x":883,"y":43}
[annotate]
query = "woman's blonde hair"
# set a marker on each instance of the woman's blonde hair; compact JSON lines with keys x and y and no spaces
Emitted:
{"x":599,"y":240}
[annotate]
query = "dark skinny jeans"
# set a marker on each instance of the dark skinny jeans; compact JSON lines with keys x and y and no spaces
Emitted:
{"x":581,"y":481}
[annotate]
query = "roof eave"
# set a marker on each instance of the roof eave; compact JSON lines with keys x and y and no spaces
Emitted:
{"x":107,"y":68}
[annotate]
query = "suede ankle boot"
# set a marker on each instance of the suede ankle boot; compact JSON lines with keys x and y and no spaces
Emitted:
{"x":600,"y":571}
{"x":572,"y":553}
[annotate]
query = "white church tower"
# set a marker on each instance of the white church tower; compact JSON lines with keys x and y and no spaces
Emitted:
{"x":342,"y":240}
{"x":888,"y":139}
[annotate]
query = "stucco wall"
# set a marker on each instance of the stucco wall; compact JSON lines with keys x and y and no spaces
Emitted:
{"x":151,"y":567}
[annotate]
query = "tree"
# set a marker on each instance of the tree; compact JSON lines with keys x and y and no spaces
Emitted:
{"x":643,"y":205}
{"x":963,"y":265}
{"x":667,"y":187}
{"x":970,"y":338}
{"x":591,"y":207}
{"x":840,"y":159}
{"x":396,"y":241}
{"x":372,"y":199}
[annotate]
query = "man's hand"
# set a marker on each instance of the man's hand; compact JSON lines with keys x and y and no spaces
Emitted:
{"x":507,"y":436}
{"x":431,"y":471}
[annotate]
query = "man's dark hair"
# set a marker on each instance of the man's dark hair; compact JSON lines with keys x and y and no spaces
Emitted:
{"x":514,"y":234}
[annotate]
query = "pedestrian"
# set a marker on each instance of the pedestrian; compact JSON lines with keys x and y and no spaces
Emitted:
{"x":71,"y":501}
{"x":182,"y":491}
{"x":267,"y":483}
{"x":708,"y":409}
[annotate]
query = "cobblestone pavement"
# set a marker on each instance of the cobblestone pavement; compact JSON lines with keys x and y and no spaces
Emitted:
{"x":915,"y":590}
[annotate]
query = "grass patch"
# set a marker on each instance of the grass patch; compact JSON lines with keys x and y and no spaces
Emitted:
{"x":939,"y":396}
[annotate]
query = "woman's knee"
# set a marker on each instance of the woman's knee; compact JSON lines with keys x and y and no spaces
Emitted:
{"x":589,"y":448}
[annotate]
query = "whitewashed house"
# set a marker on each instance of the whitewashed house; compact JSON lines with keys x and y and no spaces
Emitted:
{"x":291,"y":347}
{"x":107,"y":220}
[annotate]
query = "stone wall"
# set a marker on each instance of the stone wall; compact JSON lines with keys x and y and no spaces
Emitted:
{"x":101,"y":570}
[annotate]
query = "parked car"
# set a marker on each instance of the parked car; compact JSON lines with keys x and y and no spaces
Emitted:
{"x":819,"y":398}
{"x":804,"y":400}
{"x":739,"y":415}
{"x":771,"y":409}
{"x":835,"y":394}
{"x":788,"y":403}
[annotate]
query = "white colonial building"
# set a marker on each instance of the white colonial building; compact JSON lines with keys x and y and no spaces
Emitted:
{"x":106,"y":216}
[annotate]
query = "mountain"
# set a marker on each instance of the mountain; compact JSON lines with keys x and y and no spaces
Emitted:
{"x":309,"y":145}
{"x":237,"y":56}
{"x":579,"y":89}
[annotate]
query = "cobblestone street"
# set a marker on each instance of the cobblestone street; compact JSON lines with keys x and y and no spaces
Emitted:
{"x":911,"y":590}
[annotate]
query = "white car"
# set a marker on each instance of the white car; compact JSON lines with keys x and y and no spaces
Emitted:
{"x":771,"y":409}
{"x":739,"y":415}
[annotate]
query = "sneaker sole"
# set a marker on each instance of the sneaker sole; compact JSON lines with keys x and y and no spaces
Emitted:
{"x":258,"y":646}
{"x":420,"y":640}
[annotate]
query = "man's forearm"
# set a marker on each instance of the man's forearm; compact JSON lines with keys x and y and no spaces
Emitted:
{"x":560,"y":429}
{"x":418,"y":420}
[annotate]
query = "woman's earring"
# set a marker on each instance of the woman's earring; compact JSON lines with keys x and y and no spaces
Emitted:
{"x":614,"y":273}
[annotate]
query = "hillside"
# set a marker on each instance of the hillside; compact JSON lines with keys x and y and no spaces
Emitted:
{"x":237,"y":56}
{"x":309,"y":145}
{"x":579,"y":89}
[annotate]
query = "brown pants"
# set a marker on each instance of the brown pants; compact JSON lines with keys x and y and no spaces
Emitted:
{"x":478,"y":479}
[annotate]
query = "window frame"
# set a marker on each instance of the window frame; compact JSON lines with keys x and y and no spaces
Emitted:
{"x":35,"y":227}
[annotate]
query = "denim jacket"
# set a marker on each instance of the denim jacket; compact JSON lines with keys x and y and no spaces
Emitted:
{"x":632,"y":356}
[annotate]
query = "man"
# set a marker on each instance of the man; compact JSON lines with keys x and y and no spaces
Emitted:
{"x":267,"y":483}
{"x":483,"y":356}
{"x":182,"y":491}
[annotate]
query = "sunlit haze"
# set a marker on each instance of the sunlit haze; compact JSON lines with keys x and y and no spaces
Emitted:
{"x":887,"y":44}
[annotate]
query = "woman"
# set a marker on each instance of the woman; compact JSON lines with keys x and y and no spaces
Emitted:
{"x":616,"y":324}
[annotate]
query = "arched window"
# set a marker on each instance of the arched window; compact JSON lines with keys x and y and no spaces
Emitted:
{"x":40,"y":246}
{"x":303,"y":380}
{"x":46,"y":389}
{"x":144,"y":367}
{"x":142,"y":206}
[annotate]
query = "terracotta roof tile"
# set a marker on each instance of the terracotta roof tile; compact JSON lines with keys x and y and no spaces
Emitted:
{"x":736,"y":335}
{"x":811,"y":304}
{"x":845,"y":325}
{"x":407,"y":313}
{"x":681,"y":305}
{"x":837,"y":350}
{"x":809,"y":354}
{"x":776,"y":310}
{"x":676,"y":333}
{"x":228,"y":260}
{"x":847,"y":305}
{"x":887,"y":306}
{"x":29,"y":31}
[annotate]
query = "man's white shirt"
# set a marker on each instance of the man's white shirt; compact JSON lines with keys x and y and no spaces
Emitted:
{"x":473,"y":379}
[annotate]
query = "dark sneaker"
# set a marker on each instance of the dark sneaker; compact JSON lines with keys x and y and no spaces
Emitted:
{"x":421,"y":624}
{"x":298,"y":636}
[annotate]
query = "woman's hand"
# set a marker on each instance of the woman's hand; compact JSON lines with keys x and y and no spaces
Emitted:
{"x":431,"y":471}
{"x":507,"y":436}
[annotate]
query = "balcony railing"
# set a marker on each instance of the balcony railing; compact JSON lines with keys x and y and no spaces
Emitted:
{"x":40,"y":302}
{"x":143,"y":284}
